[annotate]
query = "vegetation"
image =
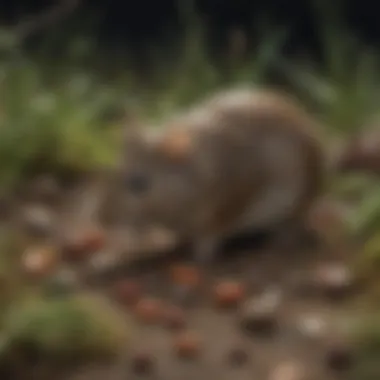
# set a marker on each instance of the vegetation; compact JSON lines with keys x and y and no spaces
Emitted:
{"x":60,"y":120}
{"x":41,"y":321}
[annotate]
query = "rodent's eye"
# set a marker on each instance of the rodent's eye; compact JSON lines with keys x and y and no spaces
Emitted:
{"x":136,"y":183}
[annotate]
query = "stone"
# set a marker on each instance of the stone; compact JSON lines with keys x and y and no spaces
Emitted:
{"x":333,"y":280}
{"x":260,"y":314}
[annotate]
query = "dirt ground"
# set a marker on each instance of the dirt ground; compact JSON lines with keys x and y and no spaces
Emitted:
{"x":286,"y":326}
{"x":299,"y":346}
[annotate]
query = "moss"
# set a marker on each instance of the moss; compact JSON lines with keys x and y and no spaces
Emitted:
{"x":366,"y":335}
{"x":80,"y":327}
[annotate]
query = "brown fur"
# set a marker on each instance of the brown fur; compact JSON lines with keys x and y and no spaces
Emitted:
{"x":210,"y":163}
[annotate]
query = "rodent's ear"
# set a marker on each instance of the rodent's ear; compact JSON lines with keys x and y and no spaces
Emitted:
{"x":176,"y":145}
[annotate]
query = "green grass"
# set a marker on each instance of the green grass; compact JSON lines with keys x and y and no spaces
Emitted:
{"x":343,"y":89}
{"x":55,"y":118}
{"x":71,"y":327}
{"x":51,"y":125}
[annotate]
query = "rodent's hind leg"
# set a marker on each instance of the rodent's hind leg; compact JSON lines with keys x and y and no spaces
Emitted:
{"x":205,"y":249}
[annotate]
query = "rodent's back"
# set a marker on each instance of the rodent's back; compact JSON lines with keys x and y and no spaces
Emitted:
{"x":239,"y":156}
{"x":253,"y":148}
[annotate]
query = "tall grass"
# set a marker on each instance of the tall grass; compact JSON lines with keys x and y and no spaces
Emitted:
{"x":345,"y":88}
{"x":53,"y":118}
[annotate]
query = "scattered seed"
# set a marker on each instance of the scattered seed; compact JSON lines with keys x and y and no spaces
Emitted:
{"x":185,"y":275}
{"x":149,"y":310}
{"x":229,"y":293}
{"x":187,"y":345}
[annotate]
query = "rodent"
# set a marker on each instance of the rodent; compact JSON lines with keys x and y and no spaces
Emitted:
{"x":239,"y":158}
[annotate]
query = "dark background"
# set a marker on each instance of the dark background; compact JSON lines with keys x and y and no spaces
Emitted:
{"x":135,"y":25}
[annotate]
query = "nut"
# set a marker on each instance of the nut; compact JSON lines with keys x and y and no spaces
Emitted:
{"x":149,"y":310}
{"x":187,"y":345}
{"x":186,"y":275}
{"x":229,"y":293}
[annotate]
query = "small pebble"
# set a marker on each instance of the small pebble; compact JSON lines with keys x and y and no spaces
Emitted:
{"x":40,"y":261}
{"x":259,"y":314}
{"x":127,"y":291}
{"x":149,"y":310}
{"x":174,"y":318}
{"x":237,"y":357}
{"x":312,"y":327}
{"x":339,"y":356}
{"x":187,"y":345}
{"x":229,"y":293}
{"x":38,"y":221}
{"x":142,"y":363}
{"x":288,"y":371}
{"x":333,"y":280}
